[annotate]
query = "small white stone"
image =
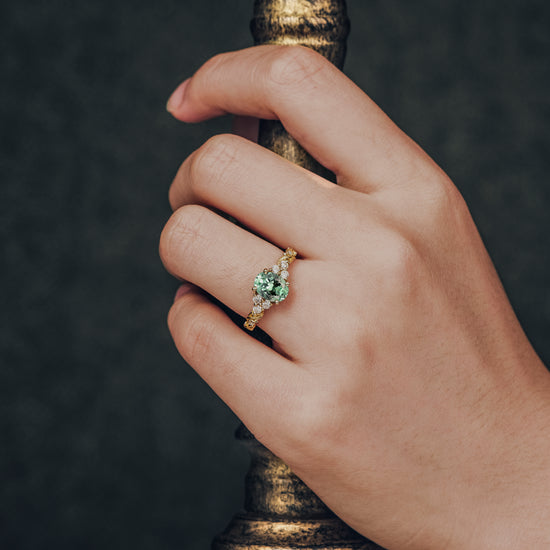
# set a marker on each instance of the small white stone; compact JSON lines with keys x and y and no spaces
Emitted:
{"x":275,"y":268}
{"x":266,"y":304}
{"x":284,"y":264}
{"x":257,"y":299}
{"x":284,"y":274}
{"x":257,"y":309}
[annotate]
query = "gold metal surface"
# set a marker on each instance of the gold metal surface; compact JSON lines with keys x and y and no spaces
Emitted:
{"x":321,"y":25}
{"x":281,"y":512}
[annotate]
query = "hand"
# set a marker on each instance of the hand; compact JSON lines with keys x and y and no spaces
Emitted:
{"x":402,"y":388}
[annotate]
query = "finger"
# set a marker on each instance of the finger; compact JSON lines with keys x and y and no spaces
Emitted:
{"x":254,"y":380}
{"x":203,"y":248}
{"x":328,"y":114}
{"x":271,"y":196}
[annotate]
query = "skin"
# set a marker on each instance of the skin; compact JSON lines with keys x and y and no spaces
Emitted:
{"x":401,"y":387}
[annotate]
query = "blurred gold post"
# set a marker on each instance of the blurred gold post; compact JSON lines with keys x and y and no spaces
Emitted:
{"x":281,"y":512}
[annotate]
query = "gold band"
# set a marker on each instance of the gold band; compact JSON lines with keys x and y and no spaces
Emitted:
{"x":270,"y":287}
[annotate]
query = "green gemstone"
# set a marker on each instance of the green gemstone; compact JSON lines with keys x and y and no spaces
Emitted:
{"x":271,"y":286}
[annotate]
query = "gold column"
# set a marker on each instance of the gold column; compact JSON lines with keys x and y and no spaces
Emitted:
{"x":281,"y":512}
{"x":321,"y":25}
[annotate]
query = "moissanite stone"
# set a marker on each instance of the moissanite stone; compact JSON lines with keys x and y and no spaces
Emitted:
{"x":271,"y":286}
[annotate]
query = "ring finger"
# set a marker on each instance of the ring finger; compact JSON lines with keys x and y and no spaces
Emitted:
{"x":203,"y":248}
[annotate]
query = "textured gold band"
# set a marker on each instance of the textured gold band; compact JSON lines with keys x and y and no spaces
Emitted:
{"x":270,"y":287}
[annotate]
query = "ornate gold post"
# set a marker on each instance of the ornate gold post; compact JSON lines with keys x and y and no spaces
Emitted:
{"x":281,"y":512}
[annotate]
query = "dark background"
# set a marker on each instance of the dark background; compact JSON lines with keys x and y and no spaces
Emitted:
{"x":107,"y":439}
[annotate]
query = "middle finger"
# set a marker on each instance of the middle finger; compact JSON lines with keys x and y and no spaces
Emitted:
{"x":269,"y":195}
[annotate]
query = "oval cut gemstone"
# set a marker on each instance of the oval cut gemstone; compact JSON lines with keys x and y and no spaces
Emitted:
{"x":271,"y":286}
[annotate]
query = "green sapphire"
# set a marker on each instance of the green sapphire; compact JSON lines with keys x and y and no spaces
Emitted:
{"x":271,"y":286}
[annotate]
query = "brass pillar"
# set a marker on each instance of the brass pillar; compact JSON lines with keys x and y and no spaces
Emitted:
{"x":281,"y":512}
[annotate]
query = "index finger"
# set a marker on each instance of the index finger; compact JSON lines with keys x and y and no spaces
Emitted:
{"x":335,"y":121}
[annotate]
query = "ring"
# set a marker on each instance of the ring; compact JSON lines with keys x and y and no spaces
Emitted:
{"x":270,"y":287}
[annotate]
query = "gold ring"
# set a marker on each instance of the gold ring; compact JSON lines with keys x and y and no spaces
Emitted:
{"x":270,"y":287}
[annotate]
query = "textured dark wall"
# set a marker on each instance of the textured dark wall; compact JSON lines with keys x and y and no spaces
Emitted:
{"x":107,"y":440}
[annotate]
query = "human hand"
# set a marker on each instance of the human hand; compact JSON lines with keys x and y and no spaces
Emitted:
{"x":402,"y":389}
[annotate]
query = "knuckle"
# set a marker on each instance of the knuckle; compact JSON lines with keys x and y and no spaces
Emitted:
{"x":442,"y":200}
{"x":205,"y":347}
{"x":307,"y":430}
{"x":199,"y":338}
{"x":174,"y":194}
{"x":319,"y":425}
{"x":212,"y":161}
{"x":213,"y":63}
{"x":184,"y":227}
{"x":400,"y":263}
{"x":193,"y":331}
{"x":294,"y":65}
{"x":315,"y":418}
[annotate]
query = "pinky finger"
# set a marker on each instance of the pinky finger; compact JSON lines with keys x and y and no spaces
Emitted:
{"x":257,"y":383}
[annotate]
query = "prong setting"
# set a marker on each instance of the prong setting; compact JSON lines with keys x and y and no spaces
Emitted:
{"x":270,"y":287}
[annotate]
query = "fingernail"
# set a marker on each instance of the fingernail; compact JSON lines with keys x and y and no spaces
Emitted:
{"x":177,"y":97}
{"x":183,"y":289}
